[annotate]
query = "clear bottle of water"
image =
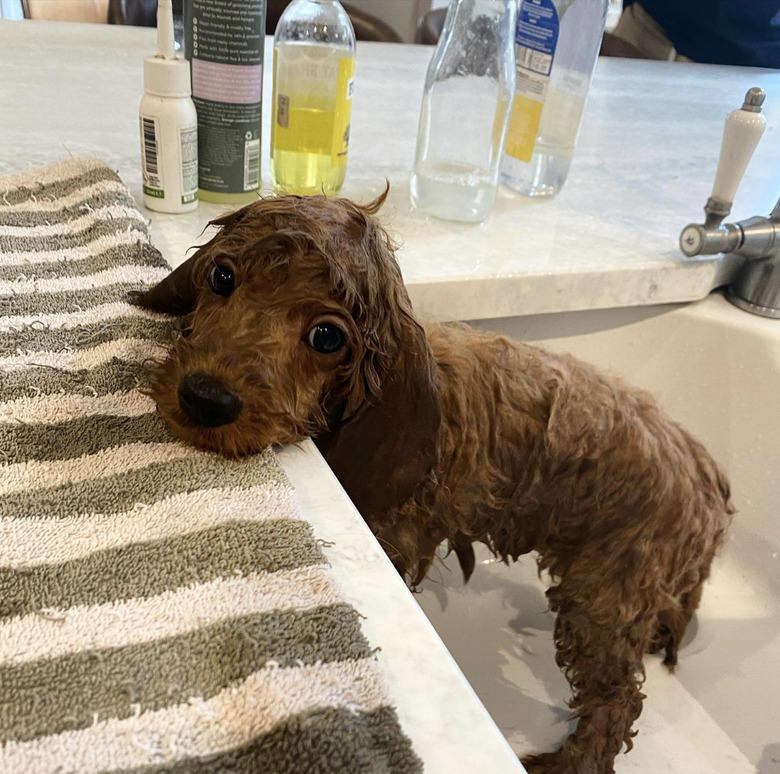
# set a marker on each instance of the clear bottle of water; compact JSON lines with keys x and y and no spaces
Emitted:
{"x":556,"y":46}
{"x":465,"y":109}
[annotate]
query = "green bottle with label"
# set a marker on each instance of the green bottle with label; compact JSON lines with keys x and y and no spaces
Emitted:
{"x":224,"y":42}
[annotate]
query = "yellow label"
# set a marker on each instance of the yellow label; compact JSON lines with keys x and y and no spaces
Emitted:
{"x":523,"y":127}
{"x":313,"y":123}
{"x":343,"y":112}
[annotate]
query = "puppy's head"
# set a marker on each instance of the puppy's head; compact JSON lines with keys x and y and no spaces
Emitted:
{"x":298,"y":324}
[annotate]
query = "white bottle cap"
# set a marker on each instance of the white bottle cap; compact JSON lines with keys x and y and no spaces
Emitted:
{"x":166,"y":77}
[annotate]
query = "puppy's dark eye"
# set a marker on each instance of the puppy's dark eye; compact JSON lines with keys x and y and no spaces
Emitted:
{"x":326,"y":338}
{"x":222,"y":280}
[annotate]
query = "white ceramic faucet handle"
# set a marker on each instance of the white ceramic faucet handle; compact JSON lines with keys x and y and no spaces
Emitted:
{"x":741,"y":134}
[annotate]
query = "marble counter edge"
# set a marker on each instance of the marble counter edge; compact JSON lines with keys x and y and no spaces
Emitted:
{"x":567,"y":290}
{"x":448,"y":725}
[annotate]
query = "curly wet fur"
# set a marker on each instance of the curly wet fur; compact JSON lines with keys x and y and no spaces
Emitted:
{"x":447,"y":435}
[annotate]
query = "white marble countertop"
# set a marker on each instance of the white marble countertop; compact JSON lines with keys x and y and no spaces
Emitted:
{"x":643,"y":169}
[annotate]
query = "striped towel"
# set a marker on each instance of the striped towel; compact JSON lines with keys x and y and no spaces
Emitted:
{"x":161,"y":609}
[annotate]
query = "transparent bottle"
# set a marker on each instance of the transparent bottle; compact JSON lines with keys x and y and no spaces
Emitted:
{"x":556,"y":46}
{"x":313,"y":83}
{"x":465,"y":108}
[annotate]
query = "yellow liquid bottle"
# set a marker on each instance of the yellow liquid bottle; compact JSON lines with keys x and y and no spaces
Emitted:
{"x":312,"y":99}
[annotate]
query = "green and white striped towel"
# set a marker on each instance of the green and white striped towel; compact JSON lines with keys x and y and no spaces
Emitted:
{"x":161,"y":609}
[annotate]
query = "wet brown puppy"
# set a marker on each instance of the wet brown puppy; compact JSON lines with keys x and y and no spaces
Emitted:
{"x":298,"y":324}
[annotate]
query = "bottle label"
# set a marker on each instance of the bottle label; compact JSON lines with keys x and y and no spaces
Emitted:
{"x":312,"y":102}
{"x":224,"y":43}
{"x":151,"y":163}
{"x":343,"y":113}
{"x":188,"y":150}
{"x":536,"y":37}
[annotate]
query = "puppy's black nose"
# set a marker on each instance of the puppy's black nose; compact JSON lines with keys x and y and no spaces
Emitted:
{"x":207,"y":401}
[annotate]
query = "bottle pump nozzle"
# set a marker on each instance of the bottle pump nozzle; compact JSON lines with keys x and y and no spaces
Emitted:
{"x":166,"y":74}
{"x":166,"y":47}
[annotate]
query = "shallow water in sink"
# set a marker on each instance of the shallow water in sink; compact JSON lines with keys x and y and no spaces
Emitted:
{"x":717,"y":370}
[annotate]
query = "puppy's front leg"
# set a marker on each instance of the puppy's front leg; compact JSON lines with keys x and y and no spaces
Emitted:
{"x":602,"y":630}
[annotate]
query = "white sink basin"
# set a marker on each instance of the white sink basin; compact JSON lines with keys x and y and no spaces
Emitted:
{"x":717,"y":370}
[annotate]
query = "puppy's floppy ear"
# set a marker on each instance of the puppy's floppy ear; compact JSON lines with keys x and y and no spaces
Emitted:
{"x":388,"y":447}
{"x":176,"y":294}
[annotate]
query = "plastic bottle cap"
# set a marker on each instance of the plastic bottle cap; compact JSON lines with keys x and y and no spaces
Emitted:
{"x":167,"y":77}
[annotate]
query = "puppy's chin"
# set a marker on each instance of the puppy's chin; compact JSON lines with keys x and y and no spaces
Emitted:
{"x":222,"y":440}
{"x":230,"y":440}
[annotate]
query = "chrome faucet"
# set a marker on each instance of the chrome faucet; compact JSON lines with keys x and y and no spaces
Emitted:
{"x":756,"y":285}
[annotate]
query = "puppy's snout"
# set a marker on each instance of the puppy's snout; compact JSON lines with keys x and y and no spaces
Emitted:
{"x":207,"y":401}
